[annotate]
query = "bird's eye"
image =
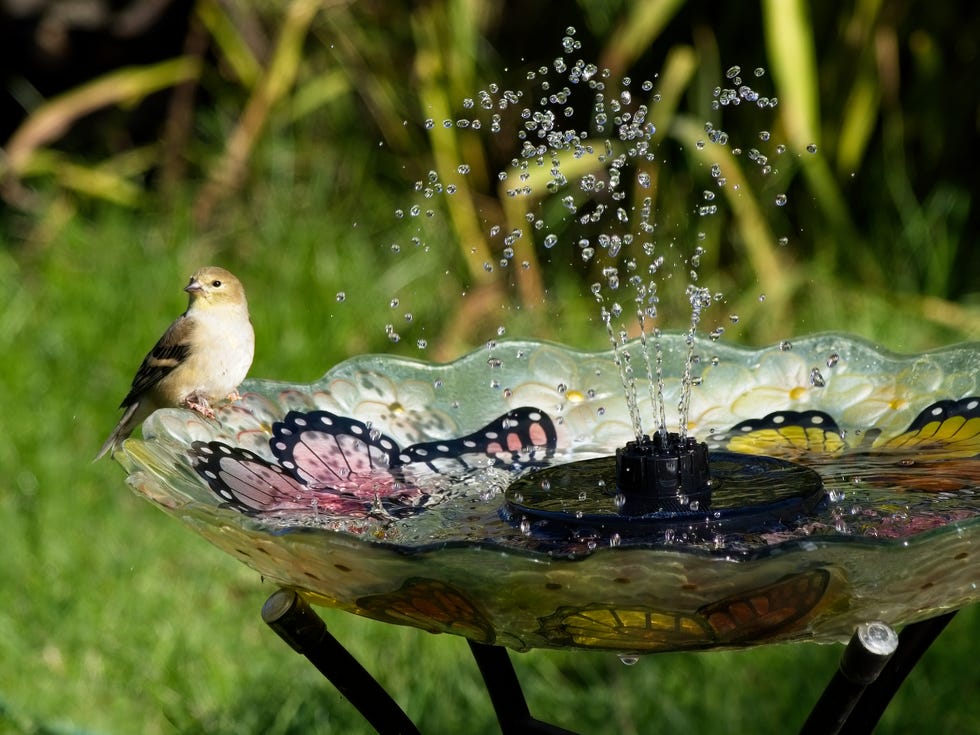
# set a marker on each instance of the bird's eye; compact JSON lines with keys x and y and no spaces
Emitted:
{"x":216,"y":283}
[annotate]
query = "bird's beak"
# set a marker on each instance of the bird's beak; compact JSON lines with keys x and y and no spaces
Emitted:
{"x":194,"y":287}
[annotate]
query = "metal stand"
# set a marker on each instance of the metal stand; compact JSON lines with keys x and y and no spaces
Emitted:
{"x":914,"y":641}
{"x":291,"y":616}
{"x":506,"y":694}
{"x":867,"y":653}
{"x":872,"y":668}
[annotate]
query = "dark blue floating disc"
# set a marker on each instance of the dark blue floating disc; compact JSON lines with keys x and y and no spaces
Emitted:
{"x":748,"y":493}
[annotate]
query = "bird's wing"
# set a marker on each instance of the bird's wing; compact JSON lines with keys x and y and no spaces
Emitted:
{"x":172,"y":350}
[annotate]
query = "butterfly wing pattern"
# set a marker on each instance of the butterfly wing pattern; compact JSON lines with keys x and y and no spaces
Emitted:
{"x":785,"y":434}
{"x":949,"y":429}
{"x":339,"y":465}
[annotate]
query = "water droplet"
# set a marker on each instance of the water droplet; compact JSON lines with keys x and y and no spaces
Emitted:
{"x":341,"y":296}
{"x":615,"y":540}
{"x":812,"y":148}
{"x":759,"y":71}
{"x":463,"y":168}
{"x":785,"y":345}
{"x":733,"y":72}
{"x":422,"y":344}
{"x":816,"y":379}
{"x":833,"y":359}
{"x":550,"y":241}
{"x":782,"y":242}
{"x":780,"y":200}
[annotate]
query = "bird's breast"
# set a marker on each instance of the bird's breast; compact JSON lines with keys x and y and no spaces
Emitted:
{"x":220,"y":358}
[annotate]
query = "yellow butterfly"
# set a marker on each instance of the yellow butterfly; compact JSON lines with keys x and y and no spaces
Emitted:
{"x":787,"y":434}
{"x":741,"y":619}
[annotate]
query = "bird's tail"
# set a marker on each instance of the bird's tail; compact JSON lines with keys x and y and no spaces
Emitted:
{"x":123,"y":429}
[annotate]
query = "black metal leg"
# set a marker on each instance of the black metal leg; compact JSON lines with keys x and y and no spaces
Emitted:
{"x":873,"y":667}
{"x":867,"y":653}
{"x":506,"y":694}
{"x":914,"y":641}
{"x":291,"y":616}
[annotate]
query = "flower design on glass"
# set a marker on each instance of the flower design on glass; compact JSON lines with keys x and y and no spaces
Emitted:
{"x":582,"y":392}
{"x":405,"y":407}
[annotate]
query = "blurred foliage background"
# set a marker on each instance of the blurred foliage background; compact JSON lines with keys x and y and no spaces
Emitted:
{"x":141,"y":139}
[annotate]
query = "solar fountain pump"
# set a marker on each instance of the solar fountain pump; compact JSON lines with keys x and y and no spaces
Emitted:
{"x":665,"y":473}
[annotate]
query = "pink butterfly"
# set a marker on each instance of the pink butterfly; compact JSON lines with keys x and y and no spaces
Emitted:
{"x":339,"y":465}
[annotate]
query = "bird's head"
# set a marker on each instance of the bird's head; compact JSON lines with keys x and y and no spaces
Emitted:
{"x":214,"y":286}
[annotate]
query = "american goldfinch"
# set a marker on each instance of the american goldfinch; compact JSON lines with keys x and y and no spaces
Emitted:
{"x":201,"y":358}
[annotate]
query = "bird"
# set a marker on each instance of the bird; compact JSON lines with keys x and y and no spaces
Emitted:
{"x":201,"y":359}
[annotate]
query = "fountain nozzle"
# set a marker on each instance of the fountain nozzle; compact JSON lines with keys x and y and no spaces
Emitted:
{"x":666,"y":473}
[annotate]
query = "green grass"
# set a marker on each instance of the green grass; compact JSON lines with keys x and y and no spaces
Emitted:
{"x":116,"y":619}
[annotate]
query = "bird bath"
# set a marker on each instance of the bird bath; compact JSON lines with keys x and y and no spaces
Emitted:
{"x":365,"y":499}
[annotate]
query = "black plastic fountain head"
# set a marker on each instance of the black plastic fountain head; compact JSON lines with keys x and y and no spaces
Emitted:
{"x":666,"y":473}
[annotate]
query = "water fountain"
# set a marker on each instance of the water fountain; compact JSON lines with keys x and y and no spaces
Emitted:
{"x":514,"y":498}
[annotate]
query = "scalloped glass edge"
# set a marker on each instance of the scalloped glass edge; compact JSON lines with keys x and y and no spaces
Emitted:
{"x":516,"y":595}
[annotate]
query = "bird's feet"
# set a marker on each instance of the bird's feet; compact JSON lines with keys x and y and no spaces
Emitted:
{"x":199,"y":404}
{"x":234,"y":396}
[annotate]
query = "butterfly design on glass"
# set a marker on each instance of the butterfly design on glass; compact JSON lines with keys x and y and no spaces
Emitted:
{"x":739,"y":619}
{"x":789,"y":434}
{"x":339,"y":465}
{"x":947,"y":429}
{"x":432,"y":605}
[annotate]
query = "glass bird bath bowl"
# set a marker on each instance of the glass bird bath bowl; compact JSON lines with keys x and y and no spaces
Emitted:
{"x":400,"y":491}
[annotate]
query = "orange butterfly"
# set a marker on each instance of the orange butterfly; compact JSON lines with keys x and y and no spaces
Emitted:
{"x":431,"y":605}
